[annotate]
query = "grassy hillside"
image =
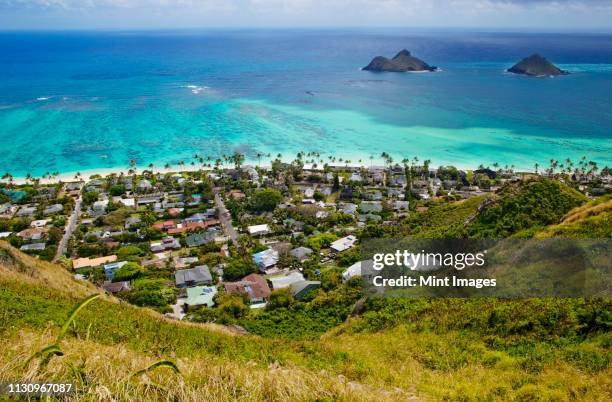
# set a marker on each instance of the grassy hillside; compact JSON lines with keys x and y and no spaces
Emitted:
{"x":592,"y":220}
{"x":525,"y":205}
{"x":398,"y":350}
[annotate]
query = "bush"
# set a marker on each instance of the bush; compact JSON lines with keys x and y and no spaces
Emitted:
{"x":317,"y":242}
{"x":280,"y":298}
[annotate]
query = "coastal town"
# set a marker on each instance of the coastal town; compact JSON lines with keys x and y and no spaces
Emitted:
{"x":213,"y":243}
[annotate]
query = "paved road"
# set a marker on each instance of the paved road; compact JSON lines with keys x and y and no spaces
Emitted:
{"x":70,"y":227}
{"x":226,"y":219}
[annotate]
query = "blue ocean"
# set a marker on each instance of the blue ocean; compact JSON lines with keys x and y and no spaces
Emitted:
{"x":82,"y":101}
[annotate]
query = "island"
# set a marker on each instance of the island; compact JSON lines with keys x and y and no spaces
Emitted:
{"x":536,"y":65}
{"x":402,"y":62}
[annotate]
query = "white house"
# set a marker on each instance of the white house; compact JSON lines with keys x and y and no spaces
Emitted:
{"x":258,"y":230}
{"x":343,"y":244}
{"x":357,"y":269}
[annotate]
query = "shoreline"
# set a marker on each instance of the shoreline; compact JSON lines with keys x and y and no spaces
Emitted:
{"x":86,"y":174}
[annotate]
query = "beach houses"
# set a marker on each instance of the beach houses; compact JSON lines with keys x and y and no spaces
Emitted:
{"x":196,"y":276}
{"x":200,"y":296}
{"x":254,"y":286}
{"x":344,"y":243}
{"x":266,"y":259}
{"x":259,"y":230}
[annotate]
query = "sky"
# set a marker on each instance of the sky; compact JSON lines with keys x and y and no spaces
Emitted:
{"x":542,"y":15}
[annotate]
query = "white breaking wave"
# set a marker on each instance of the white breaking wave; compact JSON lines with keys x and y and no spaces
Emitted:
{"x":196,"y":89}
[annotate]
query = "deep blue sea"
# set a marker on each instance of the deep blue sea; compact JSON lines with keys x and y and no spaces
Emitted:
{"x":80,"y":101}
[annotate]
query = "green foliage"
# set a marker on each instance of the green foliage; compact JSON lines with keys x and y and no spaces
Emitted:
{"x":129,"y":251}
{"x":238,"y":268}
{"x":89,"y":198}
{"x":442,"y":220}
{"x":322,"y":240}
{"x":281,"y":298}
{"x":117,"y":190}
{"x":129,"y":271}
{"x":524,"y":205}
{"x":265,"y":200}
{"x":300,"y":320}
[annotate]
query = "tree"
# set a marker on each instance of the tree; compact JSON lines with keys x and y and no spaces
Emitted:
{"x":266,"y":200}
{"x":281,"y":298}
{"x":127,"y":272}
{"x":239,"y":268}
{"x":238,"y":159}
{"x":116,"y":190}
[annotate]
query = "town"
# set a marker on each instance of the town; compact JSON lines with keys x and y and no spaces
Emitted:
{"x":218,"y":243}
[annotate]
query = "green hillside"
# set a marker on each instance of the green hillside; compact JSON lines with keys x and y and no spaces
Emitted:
{"x":399,"y":349}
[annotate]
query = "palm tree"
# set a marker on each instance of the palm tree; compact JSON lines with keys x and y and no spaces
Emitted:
{"x":238,"y":159}
{"x":536,"y":166}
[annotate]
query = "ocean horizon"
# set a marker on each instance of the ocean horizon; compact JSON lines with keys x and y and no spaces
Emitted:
{"x":85,"y":101}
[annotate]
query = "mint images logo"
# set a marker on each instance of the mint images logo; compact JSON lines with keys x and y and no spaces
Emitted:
{"x":427,"y":261}
{"x":508,"y":268}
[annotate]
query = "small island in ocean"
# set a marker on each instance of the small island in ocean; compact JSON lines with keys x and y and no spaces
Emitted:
{"x":536,"y":65}
{"x":402,"y":62}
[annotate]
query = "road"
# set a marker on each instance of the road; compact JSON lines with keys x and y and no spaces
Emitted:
{"x":70,"y":227}
{"x":226,"y":219}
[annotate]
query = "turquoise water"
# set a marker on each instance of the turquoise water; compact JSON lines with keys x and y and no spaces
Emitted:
{"x":82,"y":101}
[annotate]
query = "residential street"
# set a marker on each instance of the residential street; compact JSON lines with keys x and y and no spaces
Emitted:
{"x":225,"y":218}
{"x":70,"y":227}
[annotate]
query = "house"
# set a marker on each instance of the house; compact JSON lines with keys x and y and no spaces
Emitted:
{"x":26,"y":211}
{"x":126,"y":202}
{"x":259,"y":230}
{"x":400,"y":205}
{"x":309,"y":192}
{"x":92,"y":262}
{"x":284,"y":281}
{"x":301,"y":253}
{"x":144,"y":185}
{"x":99,"y":206}
{"x":196,"y":276}
{"x":237,"y":195}
{"x":266,"y":259}
{"x":348,"y":208}
{"x":116,"y":287}
{"x":8,"y":210}
{"x":32,"y":233}
{"x":343,"y":244}
{"x":200,"y":238}
{"x":301,"y":289}
{"x":360,"y":268}
{"x":109,"y":269}
{"x":347,"y":194}
{"x":355,"y":177}
{"x":183,"y":262}
{"x":167,"y":243}
{"x":369,"y":217}
{"x":153,"y":199}
{"x":201,"y":296}
{"x":254,"y":286}
{"x":39,"y":223}
{"x":131,"y":221}
{"x":53,"y":209}
{"x":33,"y":247}
{"x":370,"y":206}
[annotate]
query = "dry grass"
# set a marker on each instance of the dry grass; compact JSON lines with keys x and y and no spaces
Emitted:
{"x":591,"y":209}
{"x":106,"y":374}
